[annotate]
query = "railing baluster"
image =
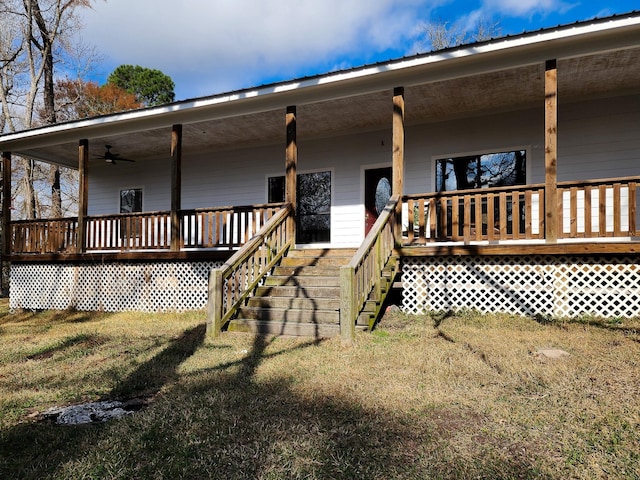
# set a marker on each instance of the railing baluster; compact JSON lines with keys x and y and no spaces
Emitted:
{"x":466,"y":218}
{"x":587,"y":212}
{"x":573,"y":212}
{"x":478,"y":216}
{"x":602,"y":211}
{"x":632,"y":209}
{"x":617,"y":211}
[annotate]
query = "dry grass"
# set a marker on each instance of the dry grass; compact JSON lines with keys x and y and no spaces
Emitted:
{"x":448,"y":396}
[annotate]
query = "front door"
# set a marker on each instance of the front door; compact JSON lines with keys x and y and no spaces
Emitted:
{"x":377,"y":191}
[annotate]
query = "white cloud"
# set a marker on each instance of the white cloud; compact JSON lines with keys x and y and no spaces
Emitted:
{"x":209,"y":46}
{"x":520,"y":8}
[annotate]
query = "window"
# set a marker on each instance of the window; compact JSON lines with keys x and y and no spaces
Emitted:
{"x":314,"y":204}
{"x":131,"y":200}
{"x":275,"y":187}
{"x":485,"y":170}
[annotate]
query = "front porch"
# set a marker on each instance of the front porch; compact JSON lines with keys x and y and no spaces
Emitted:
{"x":594,"y":216}
{"x":562,"y":105}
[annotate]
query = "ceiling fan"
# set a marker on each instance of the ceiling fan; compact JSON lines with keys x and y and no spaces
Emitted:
{"x":111,"y":158}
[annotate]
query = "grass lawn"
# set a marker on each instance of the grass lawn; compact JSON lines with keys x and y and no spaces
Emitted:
{"x":444,"y":396}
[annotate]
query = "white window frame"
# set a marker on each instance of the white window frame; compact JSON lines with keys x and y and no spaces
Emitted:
{"x":435,"y":158}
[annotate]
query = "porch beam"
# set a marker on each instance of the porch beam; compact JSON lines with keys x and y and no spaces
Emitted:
{"x":6,"y":202}
{"x":83,"y":195}
{"x":291,"y":168}
{"x":552,"y":216}
{"x":176,"y":186}
{"x":398,"y":157}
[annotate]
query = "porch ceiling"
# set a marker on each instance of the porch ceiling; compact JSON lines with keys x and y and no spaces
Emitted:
{"x":608,"y":74}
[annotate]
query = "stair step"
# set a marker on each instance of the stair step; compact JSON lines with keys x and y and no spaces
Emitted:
{"x":301,"y":297}
{"x":332,"y":261}
{"x":298,"y":303}
{"x":322,"y":252}
{"x":289,"y":315}
{"x":330,"y":271}
{"x":363,"y":319}
{"x":285,"y":328}
{"x":302,"y":281}
{"x":295,"y":291}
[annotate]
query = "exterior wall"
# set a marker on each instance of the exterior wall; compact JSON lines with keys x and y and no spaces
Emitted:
{"x":546,"y":285}
{"x":511,"y":130}
{"x":151,"y":287}
{"x":597,"y":139}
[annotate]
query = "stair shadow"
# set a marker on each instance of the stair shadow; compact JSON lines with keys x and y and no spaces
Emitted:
{"x":303,"y":292}
{"x":229,"y":422}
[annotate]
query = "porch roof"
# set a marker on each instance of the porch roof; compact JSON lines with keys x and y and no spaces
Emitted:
{"x":598,"y":58}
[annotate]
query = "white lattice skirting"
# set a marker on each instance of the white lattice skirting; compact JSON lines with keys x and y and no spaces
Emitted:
{"x":560,"y":286}
{"x":151,"y":287}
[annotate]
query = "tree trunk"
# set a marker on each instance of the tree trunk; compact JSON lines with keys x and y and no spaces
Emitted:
{"x":47,"y":38}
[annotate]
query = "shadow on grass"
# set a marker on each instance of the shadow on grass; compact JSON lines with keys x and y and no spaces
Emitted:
{"x":50,"y":317}
{"x":616,"y":325}
{"x":224,"y":422}
{"x":81,"y":341}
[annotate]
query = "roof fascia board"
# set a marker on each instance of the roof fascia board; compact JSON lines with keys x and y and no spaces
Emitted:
{"x":499,"y":54}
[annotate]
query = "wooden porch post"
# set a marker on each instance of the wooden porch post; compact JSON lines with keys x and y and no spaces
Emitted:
{"x":6,"y":202}
{"x":291,"y":167}
{"x":176,"y":186}
{"x":398,"y":157}
{"x":83,"y":195}
{"x":552,"y":216}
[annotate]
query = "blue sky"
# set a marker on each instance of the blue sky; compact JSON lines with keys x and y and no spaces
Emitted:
{"x":214,"y":46}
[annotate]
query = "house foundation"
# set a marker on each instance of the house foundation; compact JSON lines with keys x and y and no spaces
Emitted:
{"x":111,"y":287}
{"x":547,"y":285}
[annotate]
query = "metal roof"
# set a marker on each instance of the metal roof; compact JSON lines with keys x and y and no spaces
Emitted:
{"x":599,"y":57}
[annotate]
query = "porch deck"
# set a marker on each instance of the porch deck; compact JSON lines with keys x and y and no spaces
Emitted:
{"x":593,"y":216}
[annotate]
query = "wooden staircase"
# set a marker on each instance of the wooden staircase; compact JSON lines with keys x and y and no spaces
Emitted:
{"x":301,"y":297}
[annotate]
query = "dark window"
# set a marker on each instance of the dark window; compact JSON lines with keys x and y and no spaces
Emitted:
{"x":276,"y":190}
{"x":499,"y":169}
{"x":131,"y":200}
{"x":314,"y":204}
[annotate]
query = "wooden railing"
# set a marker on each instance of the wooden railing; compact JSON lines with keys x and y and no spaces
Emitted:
{"x":43,"y":236}
{"x":224,"y":226}
{"x":363,"y":273}
{"x":599,"y":208}
{"x":219,"y":227}
{"x":591,"y":209}
{"x":130,"y":231}
{"x":231,"y":284}
{"x":478,"y":215}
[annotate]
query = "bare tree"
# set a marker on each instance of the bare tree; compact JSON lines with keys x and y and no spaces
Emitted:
{"x":36,"y":35}
{"x":443,"y":34}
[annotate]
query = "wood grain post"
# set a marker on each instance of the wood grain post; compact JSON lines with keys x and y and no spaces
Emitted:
{"x":83,"y":195}
{"x":176,"y":186}
{"x":214,"y":303}
{"x":347,"y":304}
{"x":6,"y":203}
{"x":551,"y":214}
{"x":291,"y":167}
{"x":398,"y":158}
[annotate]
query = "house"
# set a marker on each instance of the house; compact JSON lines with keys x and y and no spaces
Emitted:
{"x":500,"y":175}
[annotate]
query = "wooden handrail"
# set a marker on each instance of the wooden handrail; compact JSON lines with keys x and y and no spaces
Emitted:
{"x":363,"y":273}
{"x":596,"y":208}
{"x":214,"y":227}
{"x":232,"y":283}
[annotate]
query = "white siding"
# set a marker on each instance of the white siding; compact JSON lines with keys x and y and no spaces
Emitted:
{"x":599,"y":139}
{"x":595,"y":140}
{"x":425,"y":143}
